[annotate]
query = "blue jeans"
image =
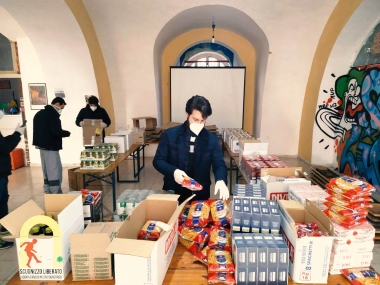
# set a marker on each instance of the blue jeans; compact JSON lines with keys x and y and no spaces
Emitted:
{"x":3,"y":197}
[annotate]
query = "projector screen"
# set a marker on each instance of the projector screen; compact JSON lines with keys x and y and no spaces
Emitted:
{"x":223,"y":87}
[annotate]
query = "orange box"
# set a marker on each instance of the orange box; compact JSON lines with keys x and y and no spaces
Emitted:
{"x":17,"y":158}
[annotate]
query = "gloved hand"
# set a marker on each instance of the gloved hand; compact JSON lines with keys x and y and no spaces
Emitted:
{"x":103,"y":125}
{"x":20,"y":129}
{"x":179,"y":175}
{"x":81,"y":123}
{"x":220,"y":186}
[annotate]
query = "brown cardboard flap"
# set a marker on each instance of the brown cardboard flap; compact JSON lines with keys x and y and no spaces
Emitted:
{"x":324,"y":221}
{"x":166,"y":197}
{"x":280,"y":171}
{"x":58,"y":202}
{"x":136,"y":247}
{"x":93,"y":242}
{"x":13,"y":221}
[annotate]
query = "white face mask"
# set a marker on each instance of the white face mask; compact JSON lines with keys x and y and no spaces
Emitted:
{"x":196,"y":128}
{"x":93,"y":108}
{"x":59,"y":111}
{"x":1,"y":114}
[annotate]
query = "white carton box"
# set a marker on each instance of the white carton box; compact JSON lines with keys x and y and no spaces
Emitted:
{"x":143,"y":261}
{"x":128,"y":137}
{"x":45,"y":257}
{"x":309,"y":257}
{"x":275,"y":183}
{"x":119,"y":139}
{"x":252,"y":147}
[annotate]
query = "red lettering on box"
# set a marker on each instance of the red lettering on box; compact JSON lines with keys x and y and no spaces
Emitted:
{"x":170,"y":238}
{"x":278,"y":196}
{"x":289,"y":244}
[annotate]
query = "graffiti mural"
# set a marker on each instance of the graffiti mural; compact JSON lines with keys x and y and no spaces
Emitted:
{"x":351,"y":117}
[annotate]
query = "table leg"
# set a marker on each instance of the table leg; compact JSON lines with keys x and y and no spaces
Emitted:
{"x":113,"y":190}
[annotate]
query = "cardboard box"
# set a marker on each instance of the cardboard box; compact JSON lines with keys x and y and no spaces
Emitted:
{"x":309,"y":256}
{"x":252,"y":147}
{"x":144,"y":261}
{"x":89,"y":258}
{"x":76,"y":181}
{"x":150,"y":123}
{"x":275,"y":184}
{"x":170,"y":125}
{"x":49,"y":257}
{"x":121,"y":140}
{"x":138,"y":137}
{"x":92,"y":132}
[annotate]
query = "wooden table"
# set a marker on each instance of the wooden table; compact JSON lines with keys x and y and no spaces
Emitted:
{"x":109,"y":172}
{"x":183,"y":270}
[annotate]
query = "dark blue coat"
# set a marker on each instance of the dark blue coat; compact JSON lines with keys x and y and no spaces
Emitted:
{"x":172,"y":153}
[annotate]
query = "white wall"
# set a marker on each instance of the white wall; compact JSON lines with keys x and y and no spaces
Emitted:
{"x":127,"y":31}
{"x":343,"y":55}
{"x":53,"y":51}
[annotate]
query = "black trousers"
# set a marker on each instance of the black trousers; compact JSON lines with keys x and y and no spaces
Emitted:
{"x":4,"y":196}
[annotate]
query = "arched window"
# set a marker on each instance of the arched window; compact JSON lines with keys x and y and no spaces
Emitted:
{"x":8,"y":56}
{"x":370,"y":51}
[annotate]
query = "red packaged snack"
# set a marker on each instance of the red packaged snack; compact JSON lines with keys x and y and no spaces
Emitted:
{"x":202,"y":255}
{"x":361,"y":276}
{"x":220,"y":238}
{"x":150,"y":231}
{"x":198,"y":235}
{"x":350,"y":183}
{"x":349,"y":198}
{"x":309,"y":230}
{"x":221,"y":278}
{"x":349,"y":205}
{"x":344,"y":211}
{"x":198,"y":214}
{"x":220,"y":261}
{"x":352,"y":193}
{"x":183,"y":216}
{"x":191,"y":184}
{"x":193,"y":247}
{"x":270,"y":157}
{"x":346,"y":222}
{"x":219,"y":213}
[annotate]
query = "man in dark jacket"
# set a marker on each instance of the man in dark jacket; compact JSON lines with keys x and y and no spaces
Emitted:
{"x":7,"y":144}
{"x":190,"y":150}
{"x":93,"y":111}
{"x":47,"y":137}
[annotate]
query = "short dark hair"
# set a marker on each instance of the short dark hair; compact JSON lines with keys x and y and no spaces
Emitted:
{"x":58,"y":100}
{"x":200,"y":104}
{"x":93,"y":100}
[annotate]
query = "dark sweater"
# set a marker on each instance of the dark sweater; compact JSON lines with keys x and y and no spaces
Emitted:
{"x":99,"y":114}
{"x":47,"y":129}
{"x":7,"y":144}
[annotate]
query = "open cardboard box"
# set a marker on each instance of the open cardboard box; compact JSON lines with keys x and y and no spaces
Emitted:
{"x":309,"y":257}
{"x":45,"y":257}
{"x":144,"y":261}
{"x":92,"y":132}
{"x":275,"y":183}
{"x":89,"y":258}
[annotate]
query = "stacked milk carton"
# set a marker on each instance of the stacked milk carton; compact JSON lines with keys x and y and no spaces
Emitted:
{"x":313,"y":193}
{"x":351,"y":247}
{"x":232,"y":137}
{"x":260,"y":259}
{"x":250,"y":215}
{"x":249,"y":190}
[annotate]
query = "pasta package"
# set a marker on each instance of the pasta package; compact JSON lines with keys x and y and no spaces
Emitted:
{"x":198,"y":235}
{"x":193,"y":247}
{"x":346,"y":211}
{"x":350,"y":183}
{"x":221,"y":278}
{"x":349,"y":198}
{"x":352,"y":193}
{"x":183,"y":216}
{"x":198,"y":214}
{"x":346,"y":222}
{"x":219,"y":213}
{"x":354,"y":205}
{"x":220,"y":261}
{"x":202,"y":255}
{"x":220,"y":238}
{"x":361,"y":276}
{"x":191,"y":184}
{"x":150,"y":231}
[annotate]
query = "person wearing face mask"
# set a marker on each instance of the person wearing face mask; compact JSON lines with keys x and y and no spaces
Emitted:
{"x":93,"y":111}
{"x":7,"y":144}
{"x":191,"y":150}
{"x":47,"y":137}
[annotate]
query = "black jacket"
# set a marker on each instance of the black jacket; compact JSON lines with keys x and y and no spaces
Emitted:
{"x":47,"y":129}
{"x":7,"y":144}
{"x":99,"y":114}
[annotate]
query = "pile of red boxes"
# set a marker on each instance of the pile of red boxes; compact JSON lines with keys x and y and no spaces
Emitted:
{"x":251,"y":165}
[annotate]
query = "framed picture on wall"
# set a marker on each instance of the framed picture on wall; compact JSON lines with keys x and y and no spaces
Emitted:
{"x":38,"y":95}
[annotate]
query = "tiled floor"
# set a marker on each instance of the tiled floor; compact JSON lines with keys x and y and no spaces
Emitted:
{"x":27,"y":183}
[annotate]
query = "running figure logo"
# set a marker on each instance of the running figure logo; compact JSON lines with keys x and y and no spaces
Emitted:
{"x":29,"y":251}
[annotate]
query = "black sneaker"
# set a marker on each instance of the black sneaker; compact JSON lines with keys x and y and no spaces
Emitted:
{"x":3,"y":231}
{"x":5,"y":244}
